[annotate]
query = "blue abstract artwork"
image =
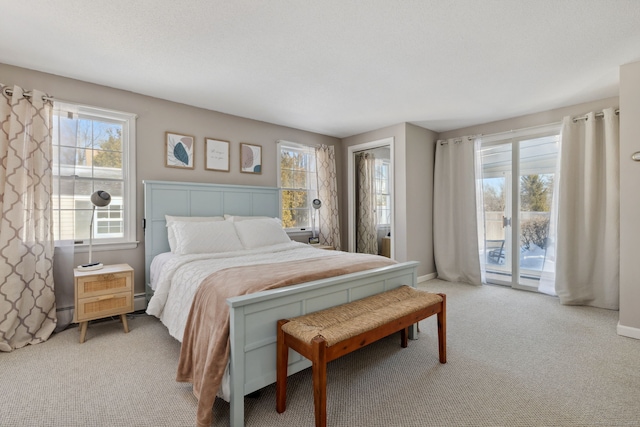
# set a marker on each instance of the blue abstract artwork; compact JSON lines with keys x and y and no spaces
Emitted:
{"x":179,"y":150}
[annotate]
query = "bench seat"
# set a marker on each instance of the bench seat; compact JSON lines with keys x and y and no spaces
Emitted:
{"x":325,"y":335}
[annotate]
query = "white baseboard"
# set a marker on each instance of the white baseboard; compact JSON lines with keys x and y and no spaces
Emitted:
{"x":427,"y":277}
{"x":628,"y":331}
{"x":140,"y":302}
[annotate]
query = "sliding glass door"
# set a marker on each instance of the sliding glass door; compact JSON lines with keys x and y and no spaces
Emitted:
{"x":517,"y":186}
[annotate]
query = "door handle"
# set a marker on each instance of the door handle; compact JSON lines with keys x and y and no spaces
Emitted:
{"x":506,"y":222}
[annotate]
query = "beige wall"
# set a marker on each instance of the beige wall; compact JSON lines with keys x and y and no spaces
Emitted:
{"x":155,"y":116}
{"x":629,"y":324}
{"x":414,"y":150}
{"x":530,"y":120}
{"x":420,"y":161}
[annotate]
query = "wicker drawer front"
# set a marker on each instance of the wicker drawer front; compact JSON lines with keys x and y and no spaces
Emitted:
{"x":104,"y":284}
{"x":103,"y":306}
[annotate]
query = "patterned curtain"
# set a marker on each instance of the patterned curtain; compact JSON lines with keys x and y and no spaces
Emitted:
{"x":27,"y":300}
{"x":329,"y":226}
{"x":366,"y":216}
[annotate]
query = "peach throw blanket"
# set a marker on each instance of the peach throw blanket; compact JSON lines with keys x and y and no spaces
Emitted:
{"x":205,"y":347}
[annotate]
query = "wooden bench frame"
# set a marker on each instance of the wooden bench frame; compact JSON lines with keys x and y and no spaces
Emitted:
{"x":320,"y":354}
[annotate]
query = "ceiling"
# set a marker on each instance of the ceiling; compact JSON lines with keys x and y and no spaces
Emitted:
{"x":336,"y":67}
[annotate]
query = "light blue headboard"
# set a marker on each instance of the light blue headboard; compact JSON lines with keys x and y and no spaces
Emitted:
{"x":197,"y":199}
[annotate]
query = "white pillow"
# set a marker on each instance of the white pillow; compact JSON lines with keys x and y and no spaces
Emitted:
{"x":260,"y":232}
{"x":171,"y":218}
{"x":205,"y":237}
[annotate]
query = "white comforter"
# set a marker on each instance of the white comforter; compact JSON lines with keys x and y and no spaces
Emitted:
{"x":181,"y":275}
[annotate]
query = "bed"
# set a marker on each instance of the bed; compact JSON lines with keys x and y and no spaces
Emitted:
{"x":252,"y":317}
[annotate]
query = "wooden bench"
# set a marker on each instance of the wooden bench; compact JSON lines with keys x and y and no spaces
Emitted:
{"x":328,"y":334}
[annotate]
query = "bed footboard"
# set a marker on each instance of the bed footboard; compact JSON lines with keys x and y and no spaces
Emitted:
{"x":254,"y":319}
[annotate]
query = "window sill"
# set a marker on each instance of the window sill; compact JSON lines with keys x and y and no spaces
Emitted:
{"x":298,"y":232}
{"x":100,"y":247}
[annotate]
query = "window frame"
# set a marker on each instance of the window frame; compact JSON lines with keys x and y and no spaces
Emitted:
{"x":129,"y":203}
{"x":312,"y":193}
{"x":519,"y":275}
{"x":378,"y":192}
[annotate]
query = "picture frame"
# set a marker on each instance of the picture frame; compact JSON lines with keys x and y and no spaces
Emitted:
{"x":179,"y":150}
{"x":250,"y":158}
{"x":216,"y":155}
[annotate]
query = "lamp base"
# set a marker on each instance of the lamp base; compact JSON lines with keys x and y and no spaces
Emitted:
{"x":92,"y":266}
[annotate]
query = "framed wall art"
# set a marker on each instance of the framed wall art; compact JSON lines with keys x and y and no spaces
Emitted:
{"x":216,"y":155}
{"x":179,"y":150}
{"x":250,"y":158}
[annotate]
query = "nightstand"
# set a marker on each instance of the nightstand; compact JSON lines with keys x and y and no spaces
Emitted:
{"x":325,"y":247}
{"x":385,"y":250}
{"x":103,"y":293}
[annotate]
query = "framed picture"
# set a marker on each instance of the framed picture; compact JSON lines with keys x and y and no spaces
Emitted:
{"x":216,"y":155}
{"x":250,"y":158}
{"x":178,"y":150}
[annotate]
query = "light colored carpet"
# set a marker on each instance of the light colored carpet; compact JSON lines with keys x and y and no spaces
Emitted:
{"x":514,"y":359}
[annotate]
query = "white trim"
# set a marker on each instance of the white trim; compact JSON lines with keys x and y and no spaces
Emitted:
{"x":128,"y":122}
{"x":520,"y":134}
{"x":295,"y":144}
{"x":139,"y":301}
{"x":427,"y":277}
{"x":628,"y":331}
{"x":351,"y":150}
{"x":130,"y":225}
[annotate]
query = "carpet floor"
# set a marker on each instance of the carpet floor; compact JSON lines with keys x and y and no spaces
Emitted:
{"x":514,"y":358}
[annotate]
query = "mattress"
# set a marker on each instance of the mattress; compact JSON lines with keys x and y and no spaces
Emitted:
{"x":156,"y":266}
{"x":179,"y":276}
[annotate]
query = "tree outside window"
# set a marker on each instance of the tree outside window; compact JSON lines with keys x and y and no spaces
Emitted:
{"x":298,"y":183}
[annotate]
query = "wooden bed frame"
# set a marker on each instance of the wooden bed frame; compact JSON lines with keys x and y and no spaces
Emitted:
{"x":254,"y":317}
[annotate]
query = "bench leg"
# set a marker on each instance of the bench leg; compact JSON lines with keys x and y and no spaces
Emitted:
{"x":282,"y":361}
{"x":404,"y":337}
{"x":442,"y":330}
{"x":319,"y":367}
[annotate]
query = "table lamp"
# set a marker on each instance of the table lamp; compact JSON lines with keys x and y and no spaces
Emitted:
{"x":316,"y":204}
{"x":98,"y":199}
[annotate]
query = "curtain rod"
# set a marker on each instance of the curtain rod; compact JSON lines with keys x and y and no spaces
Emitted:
{"x":460,"y":139}
{"x":9,"y":91}
{"x":601,"y":114}
{"x":472,"y":137}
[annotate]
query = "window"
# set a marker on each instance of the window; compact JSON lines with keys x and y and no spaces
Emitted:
{"x":93,"y":149}
{"x":298,"y":184}
{"x":518,"y":172}
{"x":383,"y":195}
